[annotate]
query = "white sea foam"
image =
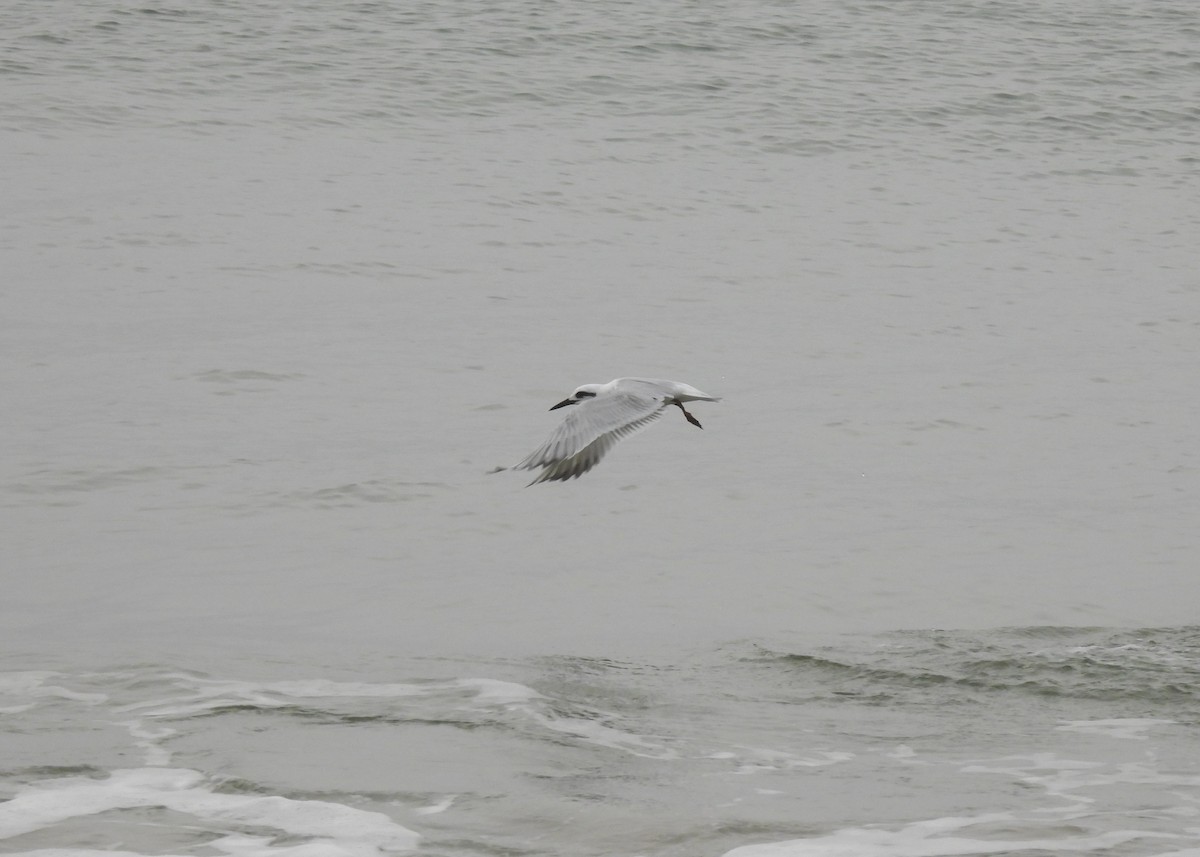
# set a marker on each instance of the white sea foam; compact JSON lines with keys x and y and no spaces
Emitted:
{"x":590,"y":729}
{"x":484,"y":693}
{"x":149,"y":740}
{"x":1132,"y":728}
{"x":905,"y":753}
{"x":496,"y":692}
{"x":210,"y":694}
{"x":205,"y":695}
{"x":757,"y":760}
{"x":594,"y":732}
{"x":332,"y":828}
{"x":933,"y":838}
{"x":80,"y":852}
{"x":25,"y":682}
{"x":33,"y":684}
{"x":1058,"y":777}
{"x":441,"y":806}
{"x":1065,"y":779}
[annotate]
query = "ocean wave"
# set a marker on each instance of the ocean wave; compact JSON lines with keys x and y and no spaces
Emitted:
{"x":1159,"y":665}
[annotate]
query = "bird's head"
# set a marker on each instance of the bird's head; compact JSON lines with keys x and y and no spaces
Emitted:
{"x":587,"y":391}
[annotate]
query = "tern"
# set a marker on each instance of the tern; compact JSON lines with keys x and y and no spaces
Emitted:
{"x":603,"y":414}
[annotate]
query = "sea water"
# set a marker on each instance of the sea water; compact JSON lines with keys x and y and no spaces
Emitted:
{"x":283,"y":282}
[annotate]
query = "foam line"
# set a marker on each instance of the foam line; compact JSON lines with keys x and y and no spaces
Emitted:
{"x":343,"y":829}
{"x":928,"y":839}
{"x":1129,"y":728}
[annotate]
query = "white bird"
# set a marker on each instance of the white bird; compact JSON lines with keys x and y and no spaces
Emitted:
{"x":605,"y":413}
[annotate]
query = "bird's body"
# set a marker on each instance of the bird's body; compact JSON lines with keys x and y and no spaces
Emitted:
{"x":603,"y":414}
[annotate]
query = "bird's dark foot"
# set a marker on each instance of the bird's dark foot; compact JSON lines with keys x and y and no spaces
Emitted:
{"x":690,"y":418}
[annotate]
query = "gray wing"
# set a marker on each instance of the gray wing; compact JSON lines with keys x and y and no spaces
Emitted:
{"x":589,"y":431}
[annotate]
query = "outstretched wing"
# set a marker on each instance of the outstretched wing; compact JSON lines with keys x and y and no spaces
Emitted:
{"x":589,"y":431}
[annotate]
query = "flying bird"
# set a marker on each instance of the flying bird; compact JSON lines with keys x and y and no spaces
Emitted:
{"x":602,"y":415}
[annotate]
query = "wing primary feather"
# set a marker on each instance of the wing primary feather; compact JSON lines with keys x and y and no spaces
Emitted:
{"x":581,"y":440}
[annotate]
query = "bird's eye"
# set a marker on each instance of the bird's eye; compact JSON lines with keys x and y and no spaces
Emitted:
{"x":584,"y":394}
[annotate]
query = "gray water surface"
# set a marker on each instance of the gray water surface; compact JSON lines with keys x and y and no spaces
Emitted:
{"x":283,"y":282}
